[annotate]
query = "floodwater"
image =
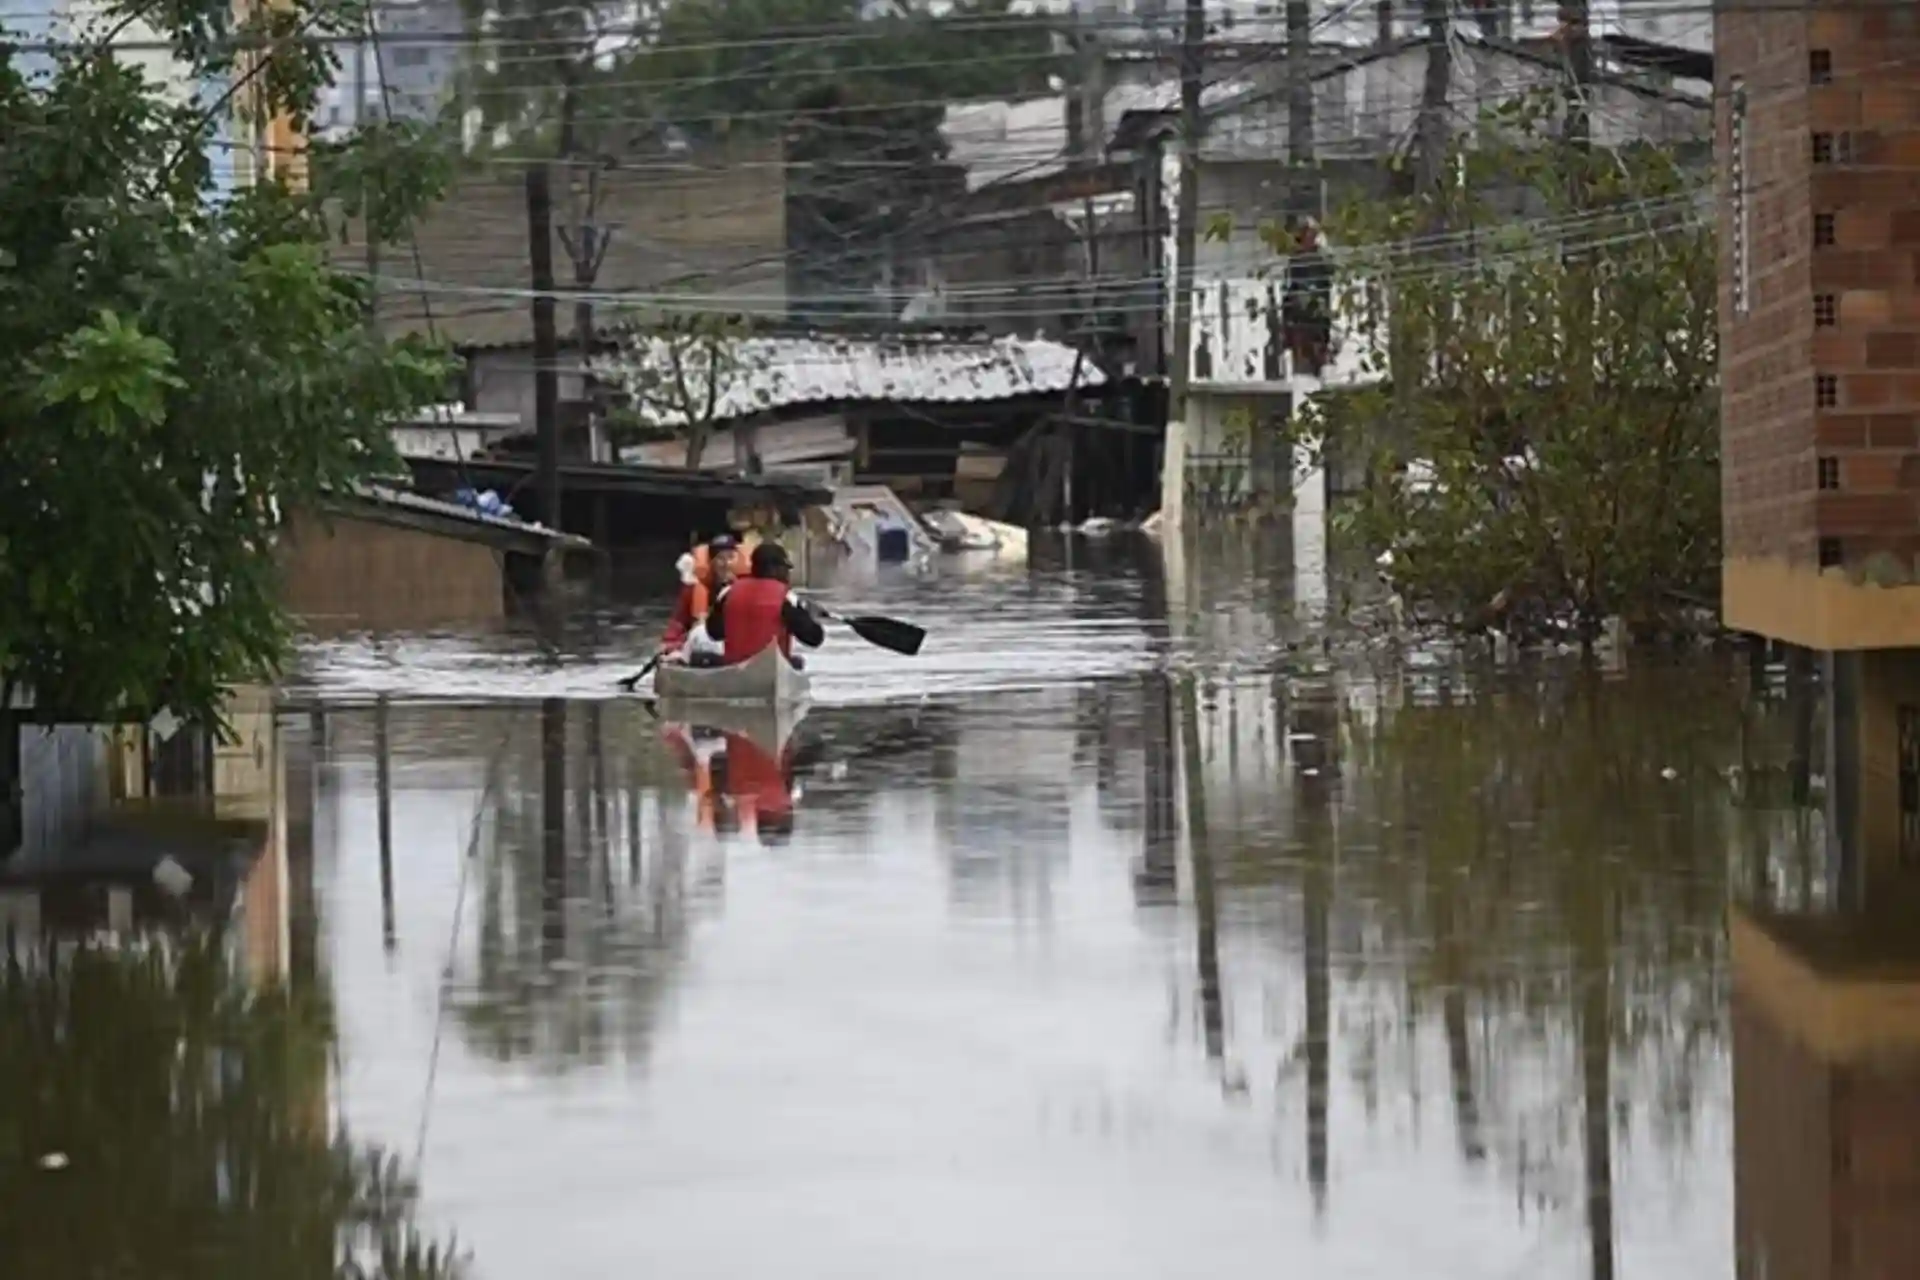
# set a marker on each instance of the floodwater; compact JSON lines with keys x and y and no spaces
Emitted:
{"x":1133,"y":930}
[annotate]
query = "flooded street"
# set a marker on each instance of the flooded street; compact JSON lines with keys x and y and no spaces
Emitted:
{"x":1128,"y":932}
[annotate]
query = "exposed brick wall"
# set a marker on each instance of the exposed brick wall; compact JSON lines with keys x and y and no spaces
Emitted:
{"x":1766,"y":382}
{"x":346,"y":574}
{"x":1862,"y":99}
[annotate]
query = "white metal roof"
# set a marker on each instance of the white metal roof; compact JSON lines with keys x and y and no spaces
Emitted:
{"x":761,"y":374}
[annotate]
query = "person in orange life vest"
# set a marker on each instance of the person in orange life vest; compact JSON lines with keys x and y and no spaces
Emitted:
{"x":761,"y":610}
{"x":703,"y":757}
{"x":704,"y":573}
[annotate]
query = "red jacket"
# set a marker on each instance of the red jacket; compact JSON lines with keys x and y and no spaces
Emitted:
{"x":752,"y":613}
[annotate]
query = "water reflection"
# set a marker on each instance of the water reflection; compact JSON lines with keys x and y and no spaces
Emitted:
{"x":1252,"y":954}
{"x":166,"y":1063}
{"x":1501,"y":892}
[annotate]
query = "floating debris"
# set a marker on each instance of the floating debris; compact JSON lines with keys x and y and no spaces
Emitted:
{"x":172,"y":878}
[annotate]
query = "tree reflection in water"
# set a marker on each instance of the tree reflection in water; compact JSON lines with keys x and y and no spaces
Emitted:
{"x":159,"y":1118}
{"x":1526,"y":874}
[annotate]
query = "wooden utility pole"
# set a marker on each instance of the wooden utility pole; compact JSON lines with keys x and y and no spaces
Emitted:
{"x":584,"y":240}
{"x":546,"y":377}
{"x":1173,"y":468}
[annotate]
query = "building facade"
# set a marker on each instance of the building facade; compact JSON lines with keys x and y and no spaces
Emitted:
{"x":1819,"y":149}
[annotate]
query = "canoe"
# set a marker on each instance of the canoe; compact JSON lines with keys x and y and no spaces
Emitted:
{"x":766,"y":679}
{"x":768,"y":726}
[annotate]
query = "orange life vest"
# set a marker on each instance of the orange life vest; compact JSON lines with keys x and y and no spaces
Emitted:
{"x":702,"y":583}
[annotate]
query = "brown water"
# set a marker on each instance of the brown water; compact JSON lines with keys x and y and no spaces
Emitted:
{"x":1129,"y":932}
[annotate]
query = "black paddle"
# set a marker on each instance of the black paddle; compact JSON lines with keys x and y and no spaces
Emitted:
{"x":631,"y":681}
{"x":888,"y":633}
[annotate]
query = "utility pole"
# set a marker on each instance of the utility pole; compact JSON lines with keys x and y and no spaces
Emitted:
{"x":1574,"y":30}
{"x":1303,"y":189}
{"x":360,"y":118}
{"x":584,"y":240}
{"x":1275,"y":475}
{"x":546,"y":377}
{"x":1173,"y":468}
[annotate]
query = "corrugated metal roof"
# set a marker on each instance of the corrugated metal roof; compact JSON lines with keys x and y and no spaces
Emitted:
{"x":760,"y":374}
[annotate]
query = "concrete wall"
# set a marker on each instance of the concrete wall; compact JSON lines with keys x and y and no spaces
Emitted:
{"x":346,"y":574}
{"x":500,"y":380}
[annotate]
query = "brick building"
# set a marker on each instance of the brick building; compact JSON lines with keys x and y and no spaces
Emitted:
{"x":1818,"y":133}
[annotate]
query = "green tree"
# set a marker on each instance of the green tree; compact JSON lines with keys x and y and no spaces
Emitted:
{"x":178,"y":373}
{"x":679,"y":376}
{"x":1553,"y":309}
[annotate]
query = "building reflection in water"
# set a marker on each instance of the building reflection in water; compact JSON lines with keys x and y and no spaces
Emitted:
{"x":1826,"y":1064}
{"x":165,"y":1068}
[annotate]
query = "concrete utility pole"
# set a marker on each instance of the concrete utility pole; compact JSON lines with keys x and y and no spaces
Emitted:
{"x":368,"y":34}
{"x":546,"y":377}
{"x":1173,"y":467}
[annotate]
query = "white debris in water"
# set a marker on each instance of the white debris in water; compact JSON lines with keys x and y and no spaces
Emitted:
{"x":54,"y":1160}
{"x":172,"y":878}
{"x":1669,"y":773}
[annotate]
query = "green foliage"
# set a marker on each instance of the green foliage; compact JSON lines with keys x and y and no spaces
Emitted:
{"x":1549,"y":321}
{"x":714,"y":68}
{"x":177,"y":373}
{"x":191,"y":1111}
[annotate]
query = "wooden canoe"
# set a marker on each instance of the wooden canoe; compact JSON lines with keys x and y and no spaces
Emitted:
{"x":767,"y":679}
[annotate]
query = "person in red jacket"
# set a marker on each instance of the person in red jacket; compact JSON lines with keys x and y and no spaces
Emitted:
{"x":709,"y":572}
{"x":761,"y":610}
{"x":760,"y":784}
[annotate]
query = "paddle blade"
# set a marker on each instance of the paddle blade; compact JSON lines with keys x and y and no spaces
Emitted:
{"x":888,"y":633}
{"x":631,"y":681}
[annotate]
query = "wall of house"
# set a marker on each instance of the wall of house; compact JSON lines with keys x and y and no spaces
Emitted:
{"x":1238,"y":282}
{"x":346,"y":574}
{"x":710,"y":222}
{"x":64,"y":784}
{"x":500,"y":380}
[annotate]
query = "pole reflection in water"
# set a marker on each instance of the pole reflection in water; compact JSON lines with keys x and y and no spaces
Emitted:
{"x":1314,"y":734}
{"x":553,"y":825}
{"x":1206,"y":909}
{"x":383,"y":800}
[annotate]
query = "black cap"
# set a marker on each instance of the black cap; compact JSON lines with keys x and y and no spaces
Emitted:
{"x":769,"y":557}
{"x":722,"y":542}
